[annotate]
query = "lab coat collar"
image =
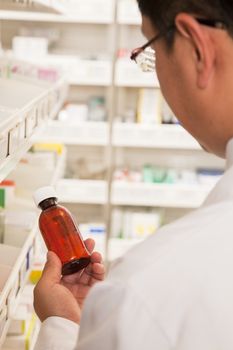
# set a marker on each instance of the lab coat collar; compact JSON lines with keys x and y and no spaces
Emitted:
{"x":223,"y":191}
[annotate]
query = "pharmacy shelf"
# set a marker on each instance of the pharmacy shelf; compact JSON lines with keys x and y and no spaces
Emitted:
{"x":35,"y":335}
{"x":88,"y":10}
{"x":75,"y":133}
{"x":17,"y":263}
{"x":21,"y":265}
{"x":21,"y":117}
{"x":128,"y":74}
{"x":90,"y":72}
{"x":159,"y":195}
{"x":60,"y":168}
{"x":153,"y":136}
{"x":53,"y":5}
{"x":52,"y":18}
{"x":24,"y":341}
{"x":43,"y":167}
{"x":128,"y":13}
{"x":70,"y":11}
{"x":78,"y":71}
{"x":82,"y":191}
{"x":118,"y":247}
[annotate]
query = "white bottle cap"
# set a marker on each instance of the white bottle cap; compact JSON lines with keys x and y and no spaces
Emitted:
{"x":44,"y":193}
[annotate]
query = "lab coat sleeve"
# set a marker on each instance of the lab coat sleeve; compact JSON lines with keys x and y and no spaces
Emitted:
{"x":116,"y":318}
{"x":57,"y":333}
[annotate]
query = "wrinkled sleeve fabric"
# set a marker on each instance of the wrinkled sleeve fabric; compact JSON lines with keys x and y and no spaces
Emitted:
{"x":114,"y":318}
{"x":57,"y":333}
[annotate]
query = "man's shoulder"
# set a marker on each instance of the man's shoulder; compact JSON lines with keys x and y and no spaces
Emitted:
{"x":187,"y":244}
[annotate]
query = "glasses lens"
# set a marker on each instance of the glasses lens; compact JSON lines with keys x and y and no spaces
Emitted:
{"x":146,"y":60}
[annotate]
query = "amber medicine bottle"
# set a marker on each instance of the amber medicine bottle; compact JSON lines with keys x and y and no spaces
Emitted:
{"x":60,"y":232}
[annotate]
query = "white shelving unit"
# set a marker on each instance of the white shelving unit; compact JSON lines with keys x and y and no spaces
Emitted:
{"x":51,"y":6}
{"x":158,"y":195}
{"x":15,"y":267}
{"x":93,"y":73}
{"x":23,"y":115}
{"x":82,"y":191}
{"x":52,"y":18}
{"x":69,"y":11}
{"x":78,"y":71}
{"x":55,"y":5}
{"x":86,"y":11}
{"x":128,"y":13}
{"x":131,"y":194}
{"x":128,"y":74}
{"x":153,"y":136}
{"x":26,"y":103}
{"x":86,"y":133}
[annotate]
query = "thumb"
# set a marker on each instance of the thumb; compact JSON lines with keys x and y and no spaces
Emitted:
{"x":52,"y":268}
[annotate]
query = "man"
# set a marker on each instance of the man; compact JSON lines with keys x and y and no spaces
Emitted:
{"x":175,"y":290}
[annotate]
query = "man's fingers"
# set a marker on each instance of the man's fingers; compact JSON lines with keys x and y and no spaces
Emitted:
{"x":52,"y":269}
{"x":90,"y":244}
{"x":98,"y":271}
{"x":96,"y":257}
{"x":76,"y":277}
{"x":93,"y":272}
{"x":97,"y":274}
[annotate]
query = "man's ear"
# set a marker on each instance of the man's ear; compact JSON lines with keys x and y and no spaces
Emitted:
{"x":201,"y":45}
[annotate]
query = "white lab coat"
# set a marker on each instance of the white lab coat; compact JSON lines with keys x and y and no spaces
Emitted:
{"x":173,"y":291}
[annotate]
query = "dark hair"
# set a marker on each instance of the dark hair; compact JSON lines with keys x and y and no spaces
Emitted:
{"x":162,"y":13}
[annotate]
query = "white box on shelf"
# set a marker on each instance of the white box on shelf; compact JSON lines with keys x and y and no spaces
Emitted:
{"x":82,"y":191}
{"x":128,"y":12}
{"x":153,"y":136}
{"x":128,"y":74}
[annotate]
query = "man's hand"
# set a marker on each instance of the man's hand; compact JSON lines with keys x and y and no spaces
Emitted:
{"x":60,"y":296}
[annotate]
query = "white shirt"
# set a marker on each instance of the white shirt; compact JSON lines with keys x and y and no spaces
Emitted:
{"x":174,"y":291}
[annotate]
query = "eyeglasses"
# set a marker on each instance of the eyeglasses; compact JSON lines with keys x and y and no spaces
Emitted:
{"x":145,"y":56}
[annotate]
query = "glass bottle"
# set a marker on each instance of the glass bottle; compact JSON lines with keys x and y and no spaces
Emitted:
{"x":60,"y":232}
